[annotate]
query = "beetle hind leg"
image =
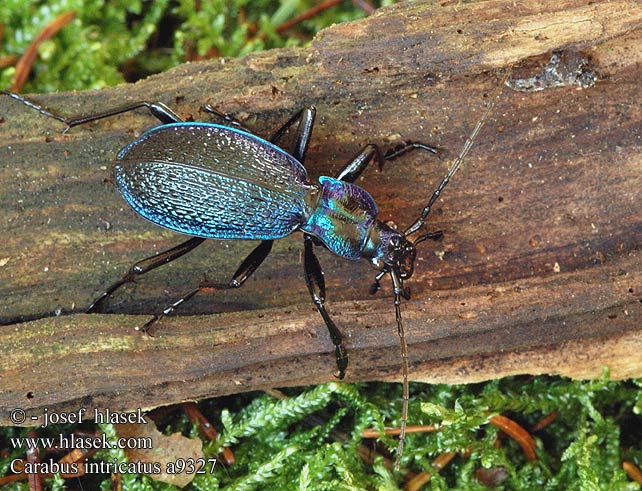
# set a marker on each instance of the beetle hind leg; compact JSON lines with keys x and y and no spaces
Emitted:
{"x":141,"y":267}
{"x":227,"y":117}
{"x":159,"y":110}
{"x":244,"y":271}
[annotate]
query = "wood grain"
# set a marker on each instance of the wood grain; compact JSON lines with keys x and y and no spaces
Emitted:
{"x":539,"y":270}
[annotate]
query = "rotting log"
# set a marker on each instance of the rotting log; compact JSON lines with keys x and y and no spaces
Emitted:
{"x":539,"y":271}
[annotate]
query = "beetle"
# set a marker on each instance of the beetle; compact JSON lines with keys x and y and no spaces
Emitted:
{"x":215,"y":181}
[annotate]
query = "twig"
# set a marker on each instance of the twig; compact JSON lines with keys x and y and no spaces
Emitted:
{"x":23,"y":67}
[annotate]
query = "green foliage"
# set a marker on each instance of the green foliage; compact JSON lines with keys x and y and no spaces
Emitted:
{"x":92,"y":50}
{"x":311,"y":440}
{"x":301,"y":432}
{"x":242,"y":26}
{"x":581,"y":450}
{"x":86,"y":53}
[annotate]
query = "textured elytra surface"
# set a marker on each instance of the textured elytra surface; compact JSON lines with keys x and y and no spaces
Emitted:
{"x":212,"y":181}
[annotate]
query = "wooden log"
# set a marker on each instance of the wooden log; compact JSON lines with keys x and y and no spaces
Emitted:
{"x":539,"y":270}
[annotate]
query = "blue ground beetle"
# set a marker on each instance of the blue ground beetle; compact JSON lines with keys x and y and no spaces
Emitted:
{"x":212,"y":181}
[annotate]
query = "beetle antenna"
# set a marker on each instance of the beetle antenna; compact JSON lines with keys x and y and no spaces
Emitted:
{"x":397,"y":284}
{"x":460,"y":158}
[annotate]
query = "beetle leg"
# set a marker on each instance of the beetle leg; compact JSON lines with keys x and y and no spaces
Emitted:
{"x":305,"y":117}
{"x":143,"y":266}
{"x":316,"y":286}
{"x":159,"y":110}
{"x":374,"y":288}
{"x":437,"y":235}
{"x":407,"y":147}
{"x":227,"y":117}
{"x":313,"y":273}
{"x":360,"y":161}
{"x":34,"y":105}
{"x":148,"y":327}
{"x":244,"y":271}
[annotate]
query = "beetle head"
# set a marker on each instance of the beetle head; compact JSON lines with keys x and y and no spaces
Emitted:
{"x":402,"y":254}
{"x":390,"y":250}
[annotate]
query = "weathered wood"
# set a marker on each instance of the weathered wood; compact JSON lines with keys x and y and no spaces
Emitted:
{"x":540,"y":269}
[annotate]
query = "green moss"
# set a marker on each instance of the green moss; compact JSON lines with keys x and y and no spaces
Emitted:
{"x":108,"y":42}
{"x":311,"y":440}
{"x":87,"y":52}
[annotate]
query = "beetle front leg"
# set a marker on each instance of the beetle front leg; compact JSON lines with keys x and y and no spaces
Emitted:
{"x":357,"y":164}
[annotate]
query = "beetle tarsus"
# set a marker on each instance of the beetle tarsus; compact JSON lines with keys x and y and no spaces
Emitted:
{"x":342,"y":361}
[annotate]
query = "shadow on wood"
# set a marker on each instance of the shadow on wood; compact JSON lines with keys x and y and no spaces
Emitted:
{"x":539,"y":270}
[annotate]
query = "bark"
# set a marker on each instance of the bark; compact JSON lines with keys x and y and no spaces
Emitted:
{"x":539,"y":271}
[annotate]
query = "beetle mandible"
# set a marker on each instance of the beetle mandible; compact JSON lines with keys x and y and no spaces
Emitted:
{"x":212,"y":181}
